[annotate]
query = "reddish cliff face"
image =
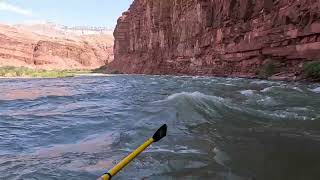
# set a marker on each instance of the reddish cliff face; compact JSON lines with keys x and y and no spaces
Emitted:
{"x":217,"y":37}
{"x":20,"y":47}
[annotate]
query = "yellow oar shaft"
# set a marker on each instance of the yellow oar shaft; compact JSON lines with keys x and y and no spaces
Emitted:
{"x":128,"y":159}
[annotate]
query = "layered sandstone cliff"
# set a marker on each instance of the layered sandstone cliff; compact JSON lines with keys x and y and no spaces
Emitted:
{"x":217,"y":37}
{"x":21,"y":46}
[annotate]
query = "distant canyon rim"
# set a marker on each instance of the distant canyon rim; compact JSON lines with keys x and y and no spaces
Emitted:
{"x":50,"y":47}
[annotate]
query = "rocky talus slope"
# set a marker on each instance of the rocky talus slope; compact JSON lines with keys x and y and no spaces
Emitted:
{"x":24,"y":47}
{"x":217,"y":37}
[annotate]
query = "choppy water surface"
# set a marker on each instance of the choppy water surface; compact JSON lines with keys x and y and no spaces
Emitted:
{"x":220,"y":129}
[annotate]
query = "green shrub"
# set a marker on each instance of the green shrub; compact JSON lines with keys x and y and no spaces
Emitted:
{"x":116,"y":72}
{"x":101,"y":69}
{"x":105,"y":69}
{"x":312,"y":70}
{"x":2,"y":72}
{"x":9,"y":71}
{"x":267,"y":70}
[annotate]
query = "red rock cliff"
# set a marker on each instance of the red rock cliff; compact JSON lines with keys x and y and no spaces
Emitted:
{"x":217,"y":37}
{"x":23,"y":47}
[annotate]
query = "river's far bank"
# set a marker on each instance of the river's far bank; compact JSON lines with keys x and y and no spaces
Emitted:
{"x":310,"y":74}
{"x":10,"y":72}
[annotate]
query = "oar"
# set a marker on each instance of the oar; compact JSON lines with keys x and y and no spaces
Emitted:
{"x":162,"y":132}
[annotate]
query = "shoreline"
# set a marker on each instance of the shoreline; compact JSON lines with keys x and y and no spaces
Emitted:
{"x":12,"y":72}
{"x":75,"y":75}
{"x":301,"y":80}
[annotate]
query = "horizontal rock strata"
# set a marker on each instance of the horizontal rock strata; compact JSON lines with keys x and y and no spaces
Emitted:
{"x":217,"y":37}
{"x":19,"y":47}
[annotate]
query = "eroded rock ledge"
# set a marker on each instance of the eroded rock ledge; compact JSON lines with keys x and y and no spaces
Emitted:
{"x":24,"y":47}
{"x":217,"y":37}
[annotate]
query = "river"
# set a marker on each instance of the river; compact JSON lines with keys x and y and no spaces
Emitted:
{"x":218,"y":128}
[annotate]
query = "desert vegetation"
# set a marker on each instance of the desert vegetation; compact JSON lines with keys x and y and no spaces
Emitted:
{"x":312,"y":70}
{"x":11,"y":71}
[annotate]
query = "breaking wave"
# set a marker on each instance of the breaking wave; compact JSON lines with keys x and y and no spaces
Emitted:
{"x":247,"y":92}
{"x":316,"y":90}
{"x":194,"y":96}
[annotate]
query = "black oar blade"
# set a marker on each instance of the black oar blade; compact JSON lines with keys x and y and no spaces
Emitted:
{"x":162,"y":132}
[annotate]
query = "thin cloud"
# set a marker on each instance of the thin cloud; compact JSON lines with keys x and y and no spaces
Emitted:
{"x":4,"y":6}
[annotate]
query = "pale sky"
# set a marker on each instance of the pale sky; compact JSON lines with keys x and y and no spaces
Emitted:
{"x":66,"y":12}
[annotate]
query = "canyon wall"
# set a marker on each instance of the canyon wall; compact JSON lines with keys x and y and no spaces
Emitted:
{"x":217,"y":37}
{"x":21,"y":46}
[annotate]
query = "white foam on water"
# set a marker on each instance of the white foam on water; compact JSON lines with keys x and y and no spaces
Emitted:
{"x":284,"y":115}
{"x":259,"y":82}
{"x":189,"y":151}
{"x":195,"y":95}
{"x":226,"y":84}
{"x":220,"y":157}
{"x":297,"y":89}
{"x":268,"y":89}
{"x":247,"y":92}
{"x":316,"y":90}
{"x":267,"y":101}
{"x":300,"y":109}
{"x":175,"y":151}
